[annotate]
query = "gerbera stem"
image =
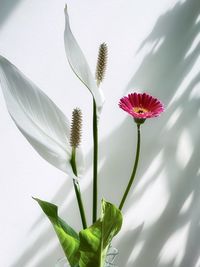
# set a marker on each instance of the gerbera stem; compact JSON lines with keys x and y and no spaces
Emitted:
{"x":134,"y":169}
{"x":77,"y":189}
{"x":95,"y":162}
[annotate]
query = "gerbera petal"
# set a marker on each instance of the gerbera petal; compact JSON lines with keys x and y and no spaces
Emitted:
{"x":42,"y":123}
{"x":148,"y":101}
{"x":135,"y":99}
{"x":79,"y":64}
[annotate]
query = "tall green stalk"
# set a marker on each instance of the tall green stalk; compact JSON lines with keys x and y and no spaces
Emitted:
{"x":134,"y":169}
{"x":95,"y":162}
{"x":99,"y":76}
{"x":77,"y":189}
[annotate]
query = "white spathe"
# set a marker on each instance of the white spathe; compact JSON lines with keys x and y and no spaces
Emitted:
{"x":79,"y":64}
{"x":42,"y":123}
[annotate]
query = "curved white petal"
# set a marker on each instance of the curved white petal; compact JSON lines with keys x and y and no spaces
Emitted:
{"x":79,"y":64}
{"x":37,"y":117}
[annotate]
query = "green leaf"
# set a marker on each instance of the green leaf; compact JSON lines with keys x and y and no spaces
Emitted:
{"x":95,"y":240}
{"x":68,"y":238}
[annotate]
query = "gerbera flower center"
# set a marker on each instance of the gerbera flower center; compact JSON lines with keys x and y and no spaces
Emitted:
{"x":140,"y":110}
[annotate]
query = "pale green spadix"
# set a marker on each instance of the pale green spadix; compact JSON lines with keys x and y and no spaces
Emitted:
{"x":42,"y":123}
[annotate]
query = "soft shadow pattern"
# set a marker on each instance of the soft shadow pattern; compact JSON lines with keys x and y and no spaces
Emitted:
{"x":6,"y":8}
{"x":130,"y":237}
{"x":163,"y":70}
{"x":161,"y":73}
{"x":164,"y":67}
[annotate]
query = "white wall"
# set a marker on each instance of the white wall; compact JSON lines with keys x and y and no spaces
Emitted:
{"x":154,"y":47}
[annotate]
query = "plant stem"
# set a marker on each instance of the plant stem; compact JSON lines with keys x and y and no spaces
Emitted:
{"x":95,"y":161}
{"x":77,"y":189}
{"x":134,"y":169}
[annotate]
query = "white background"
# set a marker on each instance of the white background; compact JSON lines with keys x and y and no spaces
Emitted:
{"x":153,"y":47}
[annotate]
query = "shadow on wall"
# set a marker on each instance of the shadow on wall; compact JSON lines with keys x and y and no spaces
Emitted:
{"x":165,"y":70}
{"x":175,"y":136}
{"x":6,"y":8}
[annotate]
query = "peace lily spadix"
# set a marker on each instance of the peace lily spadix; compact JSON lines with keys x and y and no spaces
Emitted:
{"x":80,"y":65}
{"x":42,"y":123}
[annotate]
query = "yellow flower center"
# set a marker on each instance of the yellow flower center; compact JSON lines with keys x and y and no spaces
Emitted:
{"x":140,"y":110}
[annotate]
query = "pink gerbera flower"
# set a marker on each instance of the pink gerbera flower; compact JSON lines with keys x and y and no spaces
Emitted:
{"x":141,"y":106}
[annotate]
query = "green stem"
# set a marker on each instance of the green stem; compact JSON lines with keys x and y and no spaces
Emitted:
{"x":77,"y":189}
{"x":134,"y":169}
{"x":95,"y":161}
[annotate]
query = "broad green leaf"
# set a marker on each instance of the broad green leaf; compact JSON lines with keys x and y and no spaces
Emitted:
{"x":68,"y":238}
{"x":95,"y":240}
{"x":79,"y":64}
{"x":41,"y":122}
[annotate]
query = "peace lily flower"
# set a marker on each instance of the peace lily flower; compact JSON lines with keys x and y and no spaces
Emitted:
{"x":80,"y":65}
{"x":141,"y":106}
{"x":82,"y":70}
{"x":41,"y":122}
